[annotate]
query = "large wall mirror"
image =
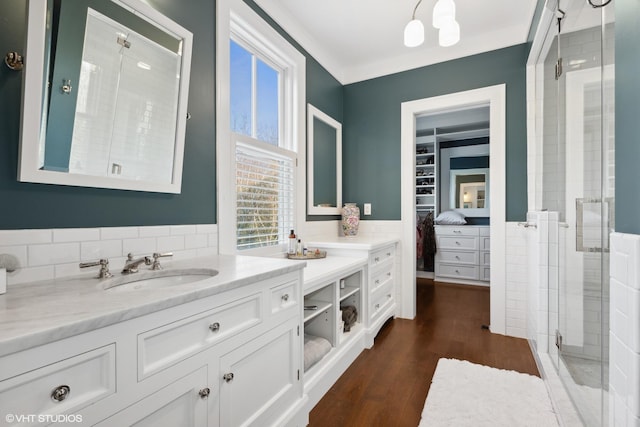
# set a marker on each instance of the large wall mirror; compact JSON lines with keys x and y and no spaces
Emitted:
{"x":464,"y":180}
{"x":324,"y":163}
{"x":105,"y":96}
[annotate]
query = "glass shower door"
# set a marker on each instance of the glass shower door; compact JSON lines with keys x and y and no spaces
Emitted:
{"x":578,"y":193}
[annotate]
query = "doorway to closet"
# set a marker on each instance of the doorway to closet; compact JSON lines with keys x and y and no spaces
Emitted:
{"x":452,"y":165}
{"x":495,"y":98}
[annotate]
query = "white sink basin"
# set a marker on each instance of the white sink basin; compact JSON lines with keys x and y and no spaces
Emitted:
{"x":156,"y":279}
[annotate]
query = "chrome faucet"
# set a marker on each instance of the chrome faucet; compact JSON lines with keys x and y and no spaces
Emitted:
{"x":131,"y":265}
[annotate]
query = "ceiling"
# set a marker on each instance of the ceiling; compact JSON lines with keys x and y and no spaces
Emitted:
{"x":360,"y":39}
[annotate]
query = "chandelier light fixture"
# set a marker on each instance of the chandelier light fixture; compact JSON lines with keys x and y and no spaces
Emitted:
{"x":444,"y":19}
{"x":414,"y":31}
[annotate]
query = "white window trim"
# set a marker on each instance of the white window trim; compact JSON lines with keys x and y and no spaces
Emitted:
{"x":235,"y":17}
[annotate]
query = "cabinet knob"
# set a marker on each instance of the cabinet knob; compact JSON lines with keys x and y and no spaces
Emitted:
{"x":214,"y":327}
{"x":388,"y":253}
{"x":457,"y":257}
{"x":457,"y":243}
{"x":60,"y":393}
{"x":376,"y":259}
{"x":377,"y":281}
{"x":204,"y":393}
{"x":228,"y":377}
{"x":457,"y":271}
{"x":377,"y":306}
{"x":389,"y":274}
{"x":285,"y":297}
{"x":457,"y":231}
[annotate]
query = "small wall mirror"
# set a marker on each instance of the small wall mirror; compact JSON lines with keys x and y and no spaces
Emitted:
{"x":324,"y":163}
{"x":105,"y":96}
{"x":464,"y":180}
{"x":469,"y":189}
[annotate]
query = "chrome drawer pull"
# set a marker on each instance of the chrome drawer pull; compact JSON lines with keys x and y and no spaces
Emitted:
{"x":60,"y":393}
{"x":389,"y":274}
{"x":457,"y":231}
{"x":285,"y":297}
{"x":457,"y":243}
{"x":376,"y":259}
{"x":377,"y":306}
{"x":214,"y":327}
{"x":457,"y":257}
{"x":204,"y":393}
{"x":457,"y":271}
{"x":377,"y":281}
{"x":228,"y":377}
{"x":388,"y":253}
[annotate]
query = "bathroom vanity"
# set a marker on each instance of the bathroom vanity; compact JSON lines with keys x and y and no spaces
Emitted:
{"x":222,"y":351}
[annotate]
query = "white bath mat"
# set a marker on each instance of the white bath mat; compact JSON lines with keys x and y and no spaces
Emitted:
{"x":465,"y":394}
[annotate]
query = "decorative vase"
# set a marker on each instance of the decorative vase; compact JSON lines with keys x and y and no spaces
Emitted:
{"x":350,"y":219}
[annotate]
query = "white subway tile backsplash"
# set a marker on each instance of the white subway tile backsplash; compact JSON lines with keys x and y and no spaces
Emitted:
{"x":107,"y":233}
{"x":183,"y":230}
{"x":195,"y":241}
{"x":63,"y":235}
{"x":54,"y":253}
{"x":25,"y":237}
{"x":140,"y":246}
{"x":155,"y":231}
{"x":172,"y":243}
{"x":100,"y":249}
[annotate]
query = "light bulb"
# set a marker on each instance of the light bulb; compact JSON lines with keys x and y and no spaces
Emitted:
{"x":414,"y":33}
{"x":443,"y":11}
{"x":449,"y":34}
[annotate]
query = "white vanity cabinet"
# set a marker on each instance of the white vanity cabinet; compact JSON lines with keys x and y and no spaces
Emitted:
{"x":381,"y":278}
{"x":463,"y":254}
{"x":230,"y":359}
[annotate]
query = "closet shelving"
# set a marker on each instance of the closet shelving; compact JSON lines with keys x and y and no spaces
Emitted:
{"x":426,"y":171}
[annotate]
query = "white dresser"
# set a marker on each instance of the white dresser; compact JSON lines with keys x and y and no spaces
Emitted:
{"x":463,"y":254}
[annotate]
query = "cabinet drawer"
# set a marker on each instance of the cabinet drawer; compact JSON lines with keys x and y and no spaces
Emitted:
{"x":284,"y":297}
{"x":168,"y":344}
{"x":379,"y":302}
{"x":61,"y":387}
{"x":452,"y":230}
{"x":453,"y":242}
{"x":485,"y":243}
{"x":485,"y":274}
{"x":458,"y":271}
{"x":485,"y":258}
{"x":382,"y":255}
{"x":458,"y":257}
{"x":381,"y":278}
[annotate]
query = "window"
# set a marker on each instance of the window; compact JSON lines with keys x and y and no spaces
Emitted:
{"x":263,"y":124}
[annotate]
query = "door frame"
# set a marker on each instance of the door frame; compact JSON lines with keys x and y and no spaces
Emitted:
{"x":495,"y":96}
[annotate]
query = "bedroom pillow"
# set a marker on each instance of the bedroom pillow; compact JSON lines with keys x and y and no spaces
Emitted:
{"x":450,"y":218}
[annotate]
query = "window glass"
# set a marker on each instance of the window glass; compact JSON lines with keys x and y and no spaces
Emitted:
{"x":267,"y":110}
{"x":241,"y":89}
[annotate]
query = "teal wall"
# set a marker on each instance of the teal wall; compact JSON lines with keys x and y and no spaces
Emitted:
{"x":627,"y":93}
{"x":371,"y":146}
{"x":27,"y":205}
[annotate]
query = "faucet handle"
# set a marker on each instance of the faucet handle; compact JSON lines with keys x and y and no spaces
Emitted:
{"x":104,"y":267}
{"x":156,"y":263}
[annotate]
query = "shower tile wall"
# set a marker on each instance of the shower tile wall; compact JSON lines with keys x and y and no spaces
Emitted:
{"x":52,"y":253}
{"x":624,"y":387}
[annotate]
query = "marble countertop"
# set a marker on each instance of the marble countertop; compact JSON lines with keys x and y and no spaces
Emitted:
{"x":319,"y":270}
{"x":42,"y":312}
{"x":358,"y":242}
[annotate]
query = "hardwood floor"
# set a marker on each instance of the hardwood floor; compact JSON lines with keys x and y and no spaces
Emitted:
{"x":387,"y":385}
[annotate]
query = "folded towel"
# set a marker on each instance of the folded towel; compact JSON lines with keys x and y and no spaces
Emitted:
{"x":315,"y":348}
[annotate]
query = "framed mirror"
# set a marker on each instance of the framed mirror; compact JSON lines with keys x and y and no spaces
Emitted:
{"x":464,"y":180}
{"x":105,"y":96}
{"x":469,"y":190}
{"x":324,"y":163}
